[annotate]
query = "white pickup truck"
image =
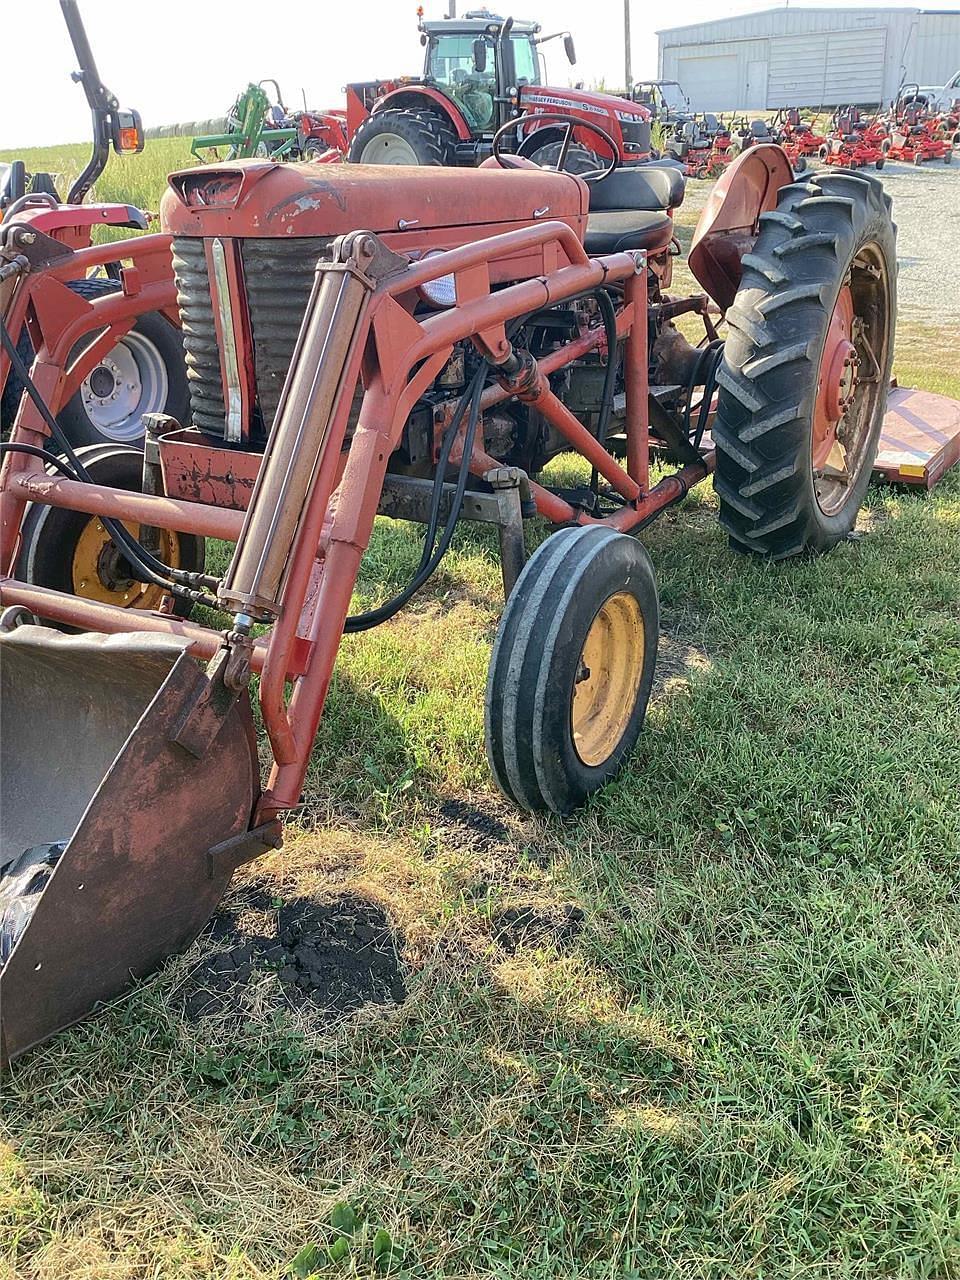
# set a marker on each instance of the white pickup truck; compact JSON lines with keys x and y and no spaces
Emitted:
{"x":940,"y":97}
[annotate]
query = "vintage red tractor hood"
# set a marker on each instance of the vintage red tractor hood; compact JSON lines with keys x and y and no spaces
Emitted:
{"x":260,"y":198}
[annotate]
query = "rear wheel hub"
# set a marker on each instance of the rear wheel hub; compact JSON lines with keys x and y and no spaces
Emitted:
{"x":838,"y":425}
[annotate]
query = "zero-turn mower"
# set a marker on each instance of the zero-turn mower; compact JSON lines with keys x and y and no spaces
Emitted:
{"x":797,"y":137}
{"x":702,"y":144}
{"x":912,"y":134}
{"x":854,"y":141}
{"x":418,"y":342}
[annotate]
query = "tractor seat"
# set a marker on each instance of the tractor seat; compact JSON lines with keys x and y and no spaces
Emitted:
{"x":629,"y":208}
{"x":613,"y":232}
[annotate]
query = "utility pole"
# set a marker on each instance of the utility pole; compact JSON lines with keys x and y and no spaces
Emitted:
{"x":627,"y":68}
{"x":452,"y":9}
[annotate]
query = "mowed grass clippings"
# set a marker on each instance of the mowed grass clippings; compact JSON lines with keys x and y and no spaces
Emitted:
{"x":709,"y":1027}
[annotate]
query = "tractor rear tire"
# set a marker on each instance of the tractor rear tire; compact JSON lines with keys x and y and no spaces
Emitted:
{"x":70,"y":551}
{"x":403,"y":137}
{"x":798,"y":423}
{"x":572,"y":668}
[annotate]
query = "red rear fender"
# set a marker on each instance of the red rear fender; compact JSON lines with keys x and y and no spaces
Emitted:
{"x":730,"y":220}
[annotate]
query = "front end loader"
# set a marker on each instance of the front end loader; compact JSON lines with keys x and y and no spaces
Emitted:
{"x":420,"y":343}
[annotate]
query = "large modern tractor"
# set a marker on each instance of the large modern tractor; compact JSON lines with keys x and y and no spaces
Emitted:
{"x":418,"y":342}
{"x":484,"y":75}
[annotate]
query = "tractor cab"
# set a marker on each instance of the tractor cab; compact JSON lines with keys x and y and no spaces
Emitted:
{"x":480,"y":63}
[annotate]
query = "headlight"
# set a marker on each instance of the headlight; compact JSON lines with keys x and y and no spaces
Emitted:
{"x":441,"y":292}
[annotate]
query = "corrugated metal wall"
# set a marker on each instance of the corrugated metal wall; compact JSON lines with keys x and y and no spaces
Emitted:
{"x":790,"y":57}
{"x":934,"y":53}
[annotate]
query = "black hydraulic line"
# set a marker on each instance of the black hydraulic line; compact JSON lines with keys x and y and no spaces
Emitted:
{"x":609,"y":316}
{"x":14,"y":446}
{"x":155,"y":571}
{"x":709,"y":386}
{"x":613,"y":361}
{"x":428,"y":561}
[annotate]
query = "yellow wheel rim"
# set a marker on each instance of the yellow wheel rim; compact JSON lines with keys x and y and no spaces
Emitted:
{"x":99,"y":572}
{"x":611,"y":667}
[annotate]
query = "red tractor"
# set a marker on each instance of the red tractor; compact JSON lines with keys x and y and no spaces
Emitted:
{"x":482,"y":74}
{"x":419,"y":343}
{"x":854,"y":141}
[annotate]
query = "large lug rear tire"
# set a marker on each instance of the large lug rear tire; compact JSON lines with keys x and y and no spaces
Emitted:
{"x":572,"y":668}
{"x":403,"y":137}
{"x":72,"y":552}
{"x":803,"y":384}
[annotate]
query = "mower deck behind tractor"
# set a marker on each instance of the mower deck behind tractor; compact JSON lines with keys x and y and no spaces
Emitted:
{"x":417,"y":341}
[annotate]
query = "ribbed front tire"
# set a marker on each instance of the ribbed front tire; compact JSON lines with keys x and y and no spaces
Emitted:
{"x":571,"y":669}
{"x":785,"y":485}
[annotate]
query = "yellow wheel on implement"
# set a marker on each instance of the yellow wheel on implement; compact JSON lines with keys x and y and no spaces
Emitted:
{"x":611,"y":667}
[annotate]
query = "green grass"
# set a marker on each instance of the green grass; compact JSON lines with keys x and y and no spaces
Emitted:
{"x":748,"y":1063}
{"x":138,"y":179}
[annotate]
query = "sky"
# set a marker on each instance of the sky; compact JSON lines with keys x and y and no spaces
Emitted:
{"x":185,"y":60}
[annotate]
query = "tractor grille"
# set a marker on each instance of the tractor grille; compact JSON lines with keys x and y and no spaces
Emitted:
{"x":278,"y":275}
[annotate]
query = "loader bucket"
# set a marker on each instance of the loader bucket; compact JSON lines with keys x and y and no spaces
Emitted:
{"x":112,"y":835}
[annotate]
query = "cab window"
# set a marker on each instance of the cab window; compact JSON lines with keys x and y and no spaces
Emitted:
{"x":450,"y":64}
{"x":526,"y":66}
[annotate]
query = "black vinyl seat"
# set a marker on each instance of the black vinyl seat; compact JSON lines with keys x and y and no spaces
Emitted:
{"x":628,"y":208}
{"x":614,"y":231}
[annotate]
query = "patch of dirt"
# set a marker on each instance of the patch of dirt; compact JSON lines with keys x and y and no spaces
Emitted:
{"x":514,"y":927}
{"x":473,"y":828}
{"x":332,"y":956}
{"x":676,"y":659}
{"x":492,"y":839}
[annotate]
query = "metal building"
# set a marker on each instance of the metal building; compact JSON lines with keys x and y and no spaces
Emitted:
{"x":809,"y":57}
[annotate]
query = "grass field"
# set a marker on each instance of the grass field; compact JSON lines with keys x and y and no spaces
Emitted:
{"x":707,"y":1028}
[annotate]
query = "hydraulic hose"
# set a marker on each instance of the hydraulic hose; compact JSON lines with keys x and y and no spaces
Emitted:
{"x":430,"y":558}
{"x":154,"y":571}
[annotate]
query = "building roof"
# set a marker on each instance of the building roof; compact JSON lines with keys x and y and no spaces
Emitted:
{"x":759,"y":13}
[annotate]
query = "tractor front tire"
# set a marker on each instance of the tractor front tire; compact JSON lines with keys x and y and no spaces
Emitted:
{"x":403,"y":137}
{"x":572,"y":668}
{"x":806,"y":366}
